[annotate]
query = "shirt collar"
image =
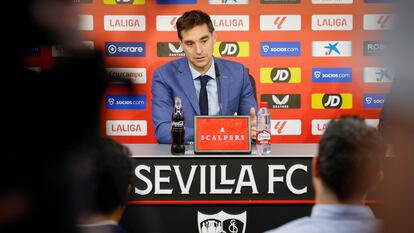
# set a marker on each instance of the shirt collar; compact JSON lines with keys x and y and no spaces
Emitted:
{"x":210,"y":72}
{"x":342,"y":211}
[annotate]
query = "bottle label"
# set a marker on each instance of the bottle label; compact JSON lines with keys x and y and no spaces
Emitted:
{"x":178,"y":124}
{"x":263,"y":137}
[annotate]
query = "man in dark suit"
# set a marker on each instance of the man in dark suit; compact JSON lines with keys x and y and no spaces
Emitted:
{"x":206,"y":85}
{"x":112,"y":172}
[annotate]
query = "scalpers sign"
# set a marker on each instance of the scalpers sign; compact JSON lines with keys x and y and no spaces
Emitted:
{"x":159,"y":179}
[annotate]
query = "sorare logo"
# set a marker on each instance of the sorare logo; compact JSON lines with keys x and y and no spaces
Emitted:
{"x":176,"y":1}
{"x":126,"y":102}
{"x":328,"y":75}
{"x":374,"y":100}
{"x":125,"y":49}
{"x":280,"y":49}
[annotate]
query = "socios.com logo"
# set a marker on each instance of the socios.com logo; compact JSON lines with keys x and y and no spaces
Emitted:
{"x":282,"y":49}
{"x":126,"y":102}
{"x":374,"y":100}
{"x":280,"y":75}
{"x":332,"y":101}
{"x":232,"y":49}
{"x":125,"y":49}
{"x":325,"y":75}
{"x":176,"y":1}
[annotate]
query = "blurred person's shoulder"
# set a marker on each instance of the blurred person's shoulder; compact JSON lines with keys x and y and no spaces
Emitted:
{"x":300,"y":225}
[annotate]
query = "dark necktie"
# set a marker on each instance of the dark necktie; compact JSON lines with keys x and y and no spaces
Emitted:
{"x":203,"y":98}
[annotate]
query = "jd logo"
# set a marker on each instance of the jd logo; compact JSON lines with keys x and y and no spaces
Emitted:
{"x":222,"y":222}
{"x":332,"y":101}
{"x":229,"y":49}
{"x":124,"y":1}
{"x":280,"y":75}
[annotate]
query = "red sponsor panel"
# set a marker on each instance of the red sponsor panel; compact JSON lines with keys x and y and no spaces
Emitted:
{"x":222,"y":134}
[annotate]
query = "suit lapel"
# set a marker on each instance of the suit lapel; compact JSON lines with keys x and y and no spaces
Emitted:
{"x":225,"y":86}
{"x":186,"y":82}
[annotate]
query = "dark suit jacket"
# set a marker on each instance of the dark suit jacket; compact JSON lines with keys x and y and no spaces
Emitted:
{"x":174,"y":79}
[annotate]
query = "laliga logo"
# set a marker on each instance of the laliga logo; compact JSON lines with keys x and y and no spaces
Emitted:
{"x":111,"y":101}
{"x":368,"y":100}
{"x":221,"y":222}
{"x":265,"y":48}
{"x":173,"y":22}
{"x":317,"y":74}
{"x":112,"y":49}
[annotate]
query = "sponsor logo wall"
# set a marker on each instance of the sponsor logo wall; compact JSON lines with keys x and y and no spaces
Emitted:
{"x":313,"y":61}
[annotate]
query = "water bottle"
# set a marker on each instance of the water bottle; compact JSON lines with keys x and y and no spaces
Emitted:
{"x":177,"y":128}
{"x":263,"y":130}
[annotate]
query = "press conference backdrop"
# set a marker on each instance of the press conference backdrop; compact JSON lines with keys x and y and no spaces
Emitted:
{"x":312,"y":60}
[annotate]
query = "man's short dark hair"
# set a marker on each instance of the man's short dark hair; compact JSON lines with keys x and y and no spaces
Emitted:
{"x":350,"y":157}
{"x":112,"y":170}
{"x":191,"y":19}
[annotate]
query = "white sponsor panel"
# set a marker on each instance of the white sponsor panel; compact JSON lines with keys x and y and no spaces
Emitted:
{"x":280,"y":23}
{"x":372,"y":122}
{"x":86,"y":23}
{"x":124,"y":22}
{"x":331,"y":48}
{"x":166,"y":22}
{"x":378,"y":21}
{"x":332,"y":22}
{"x":286,"y":127}
{"x":319,"y":126}
{"x":89,"y":44}
{"x":135,"y":75}
{"x":126,"y":128}
{"x":231,"y":22}
{"x":378,"y":75}
{"x":332,"y":1}
{"x":228,"y":2}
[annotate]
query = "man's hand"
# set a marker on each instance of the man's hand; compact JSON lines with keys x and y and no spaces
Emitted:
{"x":253,"y":123}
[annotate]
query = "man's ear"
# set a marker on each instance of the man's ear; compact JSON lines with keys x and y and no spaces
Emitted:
{"x":315,"y":167}
{"x":214,"y":35}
